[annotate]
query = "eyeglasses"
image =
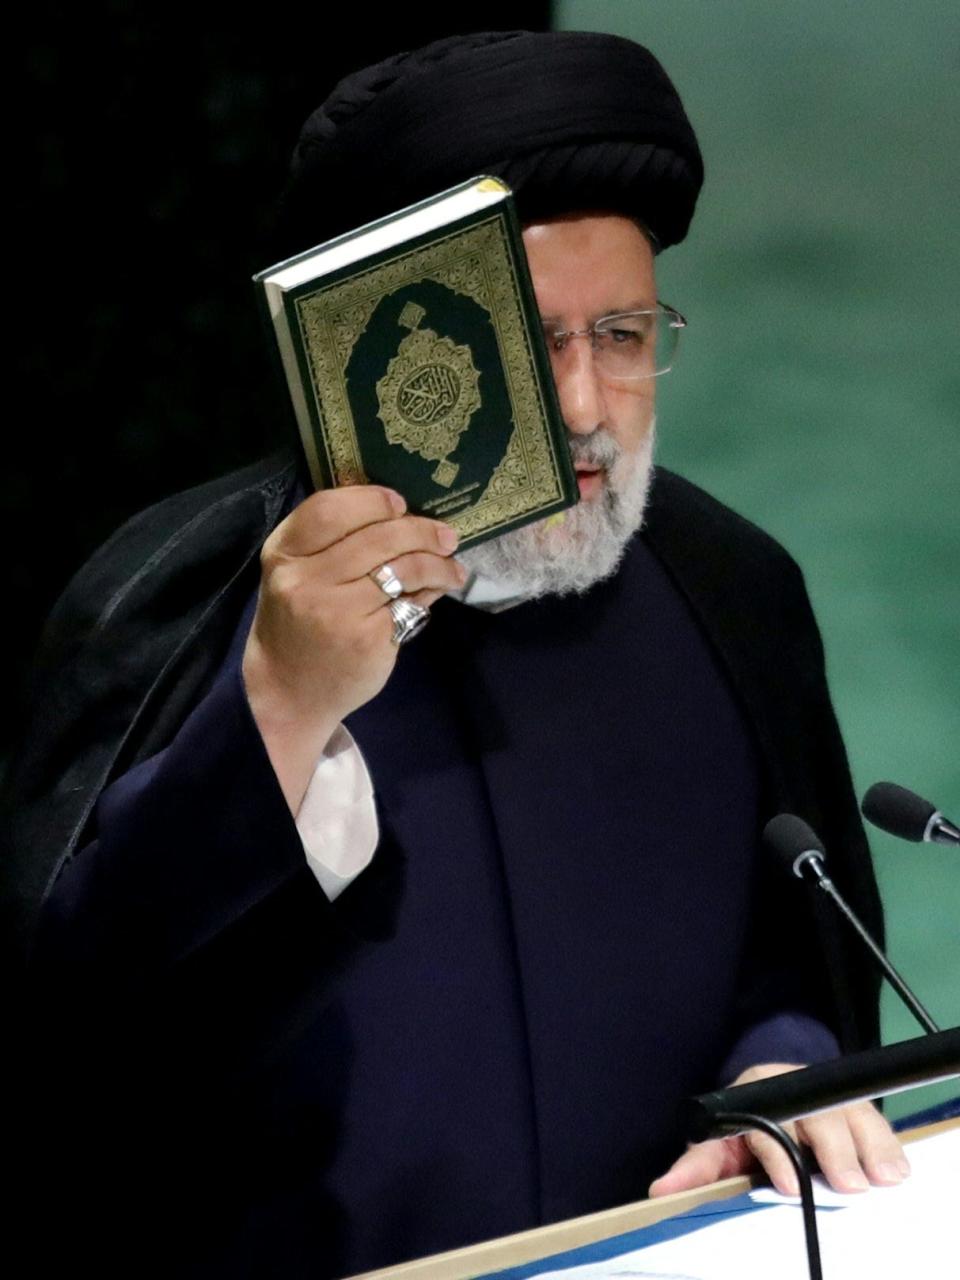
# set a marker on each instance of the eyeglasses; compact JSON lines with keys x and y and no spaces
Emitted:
{"x":626,"y":346}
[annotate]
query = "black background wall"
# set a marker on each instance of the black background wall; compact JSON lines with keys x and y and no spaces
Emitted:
{"x":151,"y":142}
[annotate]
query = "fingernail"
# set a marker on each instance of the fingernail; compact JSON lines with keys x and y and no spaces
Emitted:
{"x":791,"y":1187}
{"x":852,"y":1180}
{"x":462,"y":573}
{"x":903,"y":1164}
{"x":396,"y":501}
{"x":447,"y":537}
{"x":890,"y":1172}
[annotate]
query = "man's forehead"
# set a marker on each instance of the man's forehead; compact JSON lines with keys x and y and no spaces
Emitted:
{"x":589,"y":265}
{"x":531,"y":225}
{"x":610,"y":239}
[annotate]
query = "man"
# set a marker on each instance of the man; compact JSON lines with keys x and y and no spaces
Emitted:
{"x":305,"y":1035}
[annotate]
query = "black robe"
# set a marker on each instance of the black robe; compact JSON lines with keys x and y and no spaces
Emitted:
{"x":493,"y":1049}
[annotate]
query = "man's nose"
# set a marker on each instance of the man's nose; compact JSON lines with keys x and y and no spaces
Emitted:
{"x":578,"y":388}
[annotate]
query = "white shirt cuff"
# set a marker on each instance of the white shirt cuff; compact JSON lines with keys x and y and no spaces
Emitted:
{"x":337,"y":820}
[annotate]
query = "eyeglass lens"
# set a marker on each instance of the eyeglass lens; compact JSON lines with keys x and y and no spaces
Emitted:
{"x":639,"y":344}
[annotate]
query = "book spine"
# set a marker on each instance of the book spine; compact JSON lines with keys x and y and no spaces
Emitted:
{"x":563,"y":459}
{"x":284,"y":392}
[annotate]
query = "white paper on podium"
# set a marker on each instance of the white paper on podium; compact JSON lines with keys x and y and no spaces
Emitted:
{"x":907,"y":1232}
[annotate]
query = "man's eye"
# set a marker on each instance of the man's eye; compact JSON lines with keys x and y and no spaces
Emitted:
{"x":621,"y":337}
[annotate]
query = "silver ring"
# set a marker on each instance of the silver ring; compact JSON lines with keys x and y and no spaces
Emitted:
{"x":408,"y":619}
{"x":387,"y":581}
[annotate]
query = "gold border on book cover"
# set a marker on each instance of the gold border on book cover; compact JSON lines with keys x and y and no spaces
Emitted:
{"x":475,"y":263}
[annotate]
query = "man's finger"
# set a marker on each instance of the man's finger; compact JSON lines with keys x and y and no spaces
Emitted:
{"x":417,"y":573}
{"x":831,"y":1142}
{"x":881,"y":1152}
{"x":854,"y":1147}
{"x":774,"y":1161}
{"x":361,"y":552}
{"x":703,"y":1163}
{"x":330,"y":515}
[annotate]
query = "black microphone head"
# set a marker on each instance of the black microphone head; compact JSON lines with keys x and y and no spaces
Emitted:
{"x":788,"y":838}
{"x":895,"y":809}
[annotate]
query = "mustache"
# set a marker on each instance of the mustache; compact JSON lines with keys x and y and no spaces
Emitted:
{"x":596,"y":450}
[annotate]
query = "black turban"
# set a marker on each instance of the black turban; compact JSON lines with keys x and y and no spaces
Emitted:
{"x":571,"y":120}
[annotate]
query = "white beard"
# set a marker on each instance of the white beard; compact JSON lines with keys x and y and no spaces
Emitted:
{"x":569,"y":554}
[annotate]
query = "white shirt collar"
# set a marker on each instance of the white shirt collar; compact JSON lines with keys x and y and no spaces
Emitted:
{"x":493,"y":595}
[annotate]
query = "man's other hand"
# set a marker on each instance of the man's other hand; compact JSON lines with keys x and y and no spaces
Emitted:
{"x":854,"y":1147}
{"x":321,"y":641}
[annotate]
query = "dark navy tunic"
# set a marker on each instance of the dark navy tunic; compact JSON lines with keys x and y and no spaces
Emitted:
{"x":562,"y":935}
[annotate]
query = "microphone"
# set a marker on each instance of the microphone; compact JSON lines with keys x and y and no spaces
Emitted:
{"x":797,"y":848}
{"x":856,"y":1077}
{"x":905,"y":814}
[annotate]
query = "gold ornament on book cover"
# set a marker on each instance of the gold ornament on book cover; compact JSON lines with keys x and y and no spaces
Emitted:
{"x":428,"y":394}
{"x":476,"y":264}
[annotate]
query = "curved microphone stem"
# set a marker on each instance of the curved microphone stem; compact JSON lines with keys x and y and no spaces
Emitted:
{"x":898,"y":984}
{"x":737,"y":1121}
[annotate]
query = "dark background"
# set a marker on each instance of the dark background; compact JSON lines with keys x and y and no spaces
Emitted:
{"x":817,"y":390}
{"x":154,"y":142}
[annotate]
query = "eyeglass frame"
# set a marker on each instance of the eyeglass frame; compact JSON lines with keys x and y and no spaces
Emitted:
{"x":677,"y":322}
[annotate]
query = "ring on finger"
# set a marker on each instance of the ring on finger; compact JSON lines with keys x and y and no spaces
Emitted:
{"x":387,"y":581}
{"x":408,"y":619}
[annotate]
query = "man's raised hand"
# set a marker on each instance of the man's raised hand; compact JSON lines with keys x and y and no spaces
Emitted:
{"x":320,"y":645}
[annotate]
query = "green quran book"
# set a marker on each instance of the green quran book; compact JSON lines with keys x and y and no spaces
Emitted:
{"x":414,"y":357}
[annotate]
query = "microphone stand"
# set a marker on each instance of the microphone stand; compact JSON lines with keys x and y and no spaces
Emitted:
{"x":812,"y":870}
{"x":765,"y":1104}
